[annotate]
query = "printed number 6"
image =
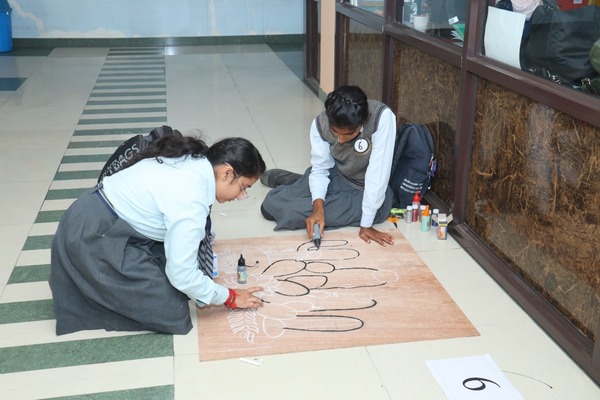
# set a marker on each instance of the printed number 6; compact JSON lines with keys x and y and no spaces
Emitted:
{"x":480,"y":380}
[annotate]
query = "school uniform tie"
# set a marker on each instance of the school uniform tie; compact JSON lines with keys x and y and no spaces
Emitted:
{"x":205,"y":253}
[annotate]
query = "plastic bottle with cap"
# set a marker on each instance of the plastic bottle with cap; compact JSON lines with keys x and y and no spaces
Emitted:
{"x":426,"y":220}
{"x":416,"y":204}
{"x":436,"y":213}
{"x":241,"y":270}
{"x":408,"y":217}
{"x":422,"y":209}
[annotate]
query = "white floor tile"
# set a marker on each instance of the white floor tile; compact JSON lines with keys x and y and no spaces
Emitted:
{"x":20,"y":201}
{"x":81,"y":380}
{"x":12,"y":239}
{"x":336,"y":374}
{"x":20,"y":67}
{"x":26,"y":292}
{"x":29,"y":166}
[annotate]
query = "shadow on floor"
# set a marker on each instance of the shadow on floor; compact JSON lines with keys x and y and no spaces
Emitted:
{"x":292,"y":55}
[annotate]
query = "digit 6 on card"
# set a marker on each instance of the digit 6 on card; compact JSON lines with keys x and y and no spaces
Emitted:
{"x":472,"y":378}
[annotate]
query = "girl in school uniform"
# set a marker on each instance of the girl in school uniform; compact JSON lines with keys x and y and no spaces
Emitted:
{"x":130,"y":253}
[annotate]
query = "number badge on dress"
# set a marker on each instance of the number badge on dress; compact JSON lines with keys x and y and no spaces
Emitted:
{"x":361,"y":146}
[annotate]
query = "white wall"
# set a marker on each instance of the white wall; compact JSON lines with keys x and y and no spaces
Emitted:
{"x":154,"y":18}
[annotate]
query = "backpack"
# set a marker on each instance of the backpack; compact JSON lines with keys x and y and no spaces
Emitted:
{"x":131,"y":146}
{"x":414,"y":163}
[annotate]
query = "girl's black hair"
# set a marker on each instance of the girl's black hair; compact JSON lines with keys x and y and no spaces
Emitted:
{"x":238,"y":152}
{"x":347,"y":107}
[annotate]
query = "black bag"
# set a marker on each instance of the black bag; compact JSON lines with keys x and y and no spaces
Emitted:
{"x":595,"y":56}
{"x":559,"y":42}
{"x":413,"y":164}
{"x":131,"y":146}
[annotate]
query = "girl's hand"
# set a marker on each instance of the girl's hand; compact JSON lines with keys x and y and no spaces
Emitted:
{"x":368,"y":234}
{"x":245,"y":298}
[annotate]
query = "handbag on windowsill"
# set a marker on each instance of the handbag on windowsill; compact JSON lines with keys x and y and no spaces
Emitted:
{"x":559,"y":42}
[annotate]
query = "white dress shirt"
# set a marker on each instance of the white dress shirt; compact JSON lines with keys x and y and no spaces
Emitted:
{"x":378,"y":172}
{"x":169,"y":202}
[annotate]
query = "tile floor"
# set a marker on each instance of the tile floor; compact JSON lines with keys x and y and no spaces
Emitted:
{"x":74,"y":106}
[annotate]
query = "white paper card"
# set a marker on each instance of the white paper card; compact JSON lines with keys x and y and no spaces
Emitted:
{"x":472,"y":378}
{"x":503,"y":33}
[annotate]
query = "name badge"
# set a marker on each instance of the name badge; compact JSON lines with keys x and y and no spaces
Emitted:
{"x":361,"y":146}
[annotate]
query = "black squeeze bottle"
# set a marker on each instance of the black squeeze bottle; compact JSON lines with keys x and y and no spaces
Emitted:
{"x":241,"y":271}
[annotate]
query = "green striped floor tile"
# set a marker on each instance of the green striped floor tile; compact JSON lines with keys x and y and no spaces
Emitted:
{"x":110,"y":131}
{"x":148,"y":61}
{"x":125,"y":110}
{"x":130,"y":79}
{"x":133,"y":74}
{"x":157,"y":50}
{"x":147,"y":58}
{"x":139,"y":57}
{"x":150,"y":55}
{"x":130,"y":94}
{"x":150,"y":393}
{"x":127,"y":86}
{"x":157,"y":119}
{"x":60,"y":194}
{"x":124,"y":102}
{"x":25,"y":311}
{"x":133,"y":68}
{"x":119,"y":79}
{"x":85,"y":158}
{"x":38,"y":242}
{"x":94,"y":143}
{"x":49,"y":216}
{"x":66,"y":175}
{"x":29,"y":273}
{"x":83,"y":352}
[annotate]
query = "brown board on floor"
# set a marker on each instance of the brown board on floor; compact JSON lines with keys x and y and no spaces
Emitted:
{"x":346,"y":294}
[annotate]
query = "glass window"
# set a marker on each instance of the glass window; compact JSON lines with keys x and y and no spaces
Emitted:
{"x":444,"y":19}
{"x":553,"y":39}
{"x":375,"y":7}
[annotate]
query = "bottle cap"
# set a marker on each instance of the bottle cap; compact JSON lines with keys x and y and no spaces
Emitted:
{"x":423,"y":207}
{"x":436,"y":211}
{"x":417,"y":197}
{"x":241,"y":261}
{"x":408,"y":208}
{"x":426,"y":213}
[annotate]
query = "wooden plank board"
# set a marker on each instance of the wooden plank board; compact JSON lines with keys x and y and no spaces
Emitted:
{"x":346,"y":294}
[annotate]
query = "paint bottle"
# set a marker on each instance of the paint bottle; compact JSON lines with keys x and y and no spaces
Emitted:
{"x":422,"y":209}
{"x":215,"y":266}
{"x":408,"y":217}
{"x":426,"y":220}
{"x":242,"y":277}
{"x":434,"y":217}
{"x":416,"y":203}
